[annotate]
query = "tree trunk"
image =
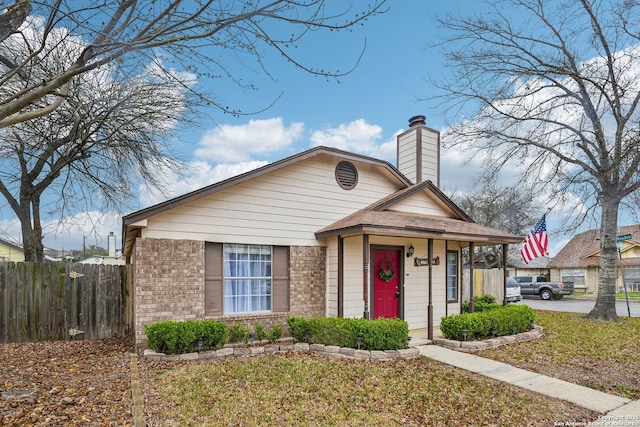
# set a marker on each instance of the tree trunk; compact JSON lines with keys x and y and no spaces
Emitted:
{"x":605,"y":308}
{"x":31,"y":234}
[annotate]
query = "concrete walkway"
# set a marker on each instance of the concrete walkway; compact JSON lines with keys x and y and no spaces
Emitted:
{"x":617,"y":411}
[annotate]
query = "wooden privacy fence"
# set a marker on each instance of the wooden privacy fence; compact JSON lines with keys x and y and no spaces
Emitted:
{"x":50,"y":301}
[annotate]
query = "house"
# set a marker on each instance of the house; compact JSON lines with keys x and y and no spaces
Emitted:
{"x":579,"y":261}
{"x":321,"y":233}
{"x":10,"y":251}
{"x":113,"y":257}
{"x":536,"y":267}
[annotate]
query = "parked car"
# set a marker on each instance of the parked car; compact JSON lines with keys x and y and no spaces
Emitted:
{"x":538,"y":285}
{"x":513,"y":290}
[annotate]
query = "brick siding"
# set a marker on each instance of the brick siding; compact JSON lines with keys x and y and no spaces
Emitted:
{"x":169,"y":285}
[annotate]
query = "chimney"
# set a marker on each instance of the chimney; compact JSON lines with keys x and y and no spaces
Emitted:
{"x":419,"y":152}
{"x":111,"y":244}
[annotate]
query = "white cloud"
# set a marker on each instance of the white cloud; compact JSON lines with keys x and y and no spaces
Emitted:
{"x":84,"y":228}
{"x":357,"y":136}
{"x":229,"y":143}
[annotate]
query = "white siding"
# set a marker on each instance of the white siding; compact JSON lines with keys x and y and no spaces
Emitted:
{"x":285,"y":207}
{"x":407,"y":162}
{"x":422,"y":204}
{"x":332,"y":277}
{"x":353,"y":265}
{"x":430,"y":157}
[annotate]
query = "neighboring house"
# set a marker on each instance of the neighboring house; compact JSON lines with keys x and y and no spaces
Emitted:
{"x":114,"y":257}
{"x":321,"y":233}
{"x":579,"y":260}
{"x":11,"y":251}
{"x":538,"y":267}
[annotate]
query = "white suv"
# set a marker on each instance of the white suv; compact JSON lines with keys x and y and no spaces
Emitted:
{"x":513,"y":290}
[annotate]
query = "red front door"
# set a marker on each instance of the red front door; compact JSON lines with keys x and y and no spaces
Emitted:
{"x":386,"y":283}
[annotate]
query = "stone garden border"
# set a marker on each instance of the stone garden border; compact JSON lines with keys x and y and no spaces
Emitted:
{"x":231,"y":351}
{"x":327,"y":350}
{"x":471,"y":346}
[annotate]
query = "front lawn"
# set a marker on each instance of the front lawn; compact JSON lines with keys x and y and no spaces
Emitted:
{"x":602,"y":355}
{"x":306,"y":389}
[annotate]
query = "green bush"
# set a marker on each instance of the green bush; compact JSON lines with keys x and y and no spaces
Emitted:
{"x":259,"y":331}
{"x":484,"y":302}
{"x":379,"y":334}
{"x":275,"y":334}
{"x":382,"y":334}
{"x":506,"y":320}
{"x":298,"y":328}
{"x":238,"y":333}
{"x":213,"y":333}
{"x":172,"y":337}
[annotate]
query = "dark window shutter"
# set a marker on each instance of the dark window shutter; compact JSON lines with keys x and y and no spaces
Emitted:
{"x":280,"y":284}
{"x":213,"y":279}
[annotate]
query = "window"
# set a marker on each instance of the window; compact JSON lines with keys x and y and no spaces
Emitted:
{"x":575,"y":275}
{"x":452,"y":276}
{"x":247,"y":278}
{"x":222,"y":290}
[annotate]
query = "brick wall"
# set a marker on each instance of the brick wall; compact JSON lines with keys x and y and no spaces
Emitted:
{"x":307,"y":266}
{"x":168,"y":282}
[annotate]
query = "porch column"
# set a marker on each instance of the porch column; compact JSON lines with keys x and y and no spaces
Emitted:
{"x":340,"y":276}
{"x":366,"y":257}
{"x":505,"y":248}
{"x":430,"y":305}
{"x":472,"y":247}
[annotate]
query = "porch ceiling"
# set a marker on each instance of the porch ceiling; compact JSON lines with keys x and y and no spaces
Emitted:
{"x":403,"y":224}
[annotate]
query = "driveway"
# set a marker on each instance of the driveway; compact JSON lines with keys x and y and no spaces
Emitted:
{"x":580,"y":305}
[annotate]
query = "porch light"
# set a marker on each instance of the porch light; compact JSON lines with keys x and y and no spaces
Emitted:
{"x":410,"y":251}
{"x":358,"y":342}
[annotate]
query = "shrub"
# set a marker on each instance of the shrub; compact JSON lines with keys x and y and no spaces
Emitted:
{"x":172,"y":337}
{"x":260,"y":333}
{"x":379,"y":334}
{"x":275,"y":334}
{"x":382,"y":334}
{"x":214,"y":333}
{"x":484,"y":302}
{"x":238,"y":333}
{"x":506,"y":320}
{"x":298,"y":328}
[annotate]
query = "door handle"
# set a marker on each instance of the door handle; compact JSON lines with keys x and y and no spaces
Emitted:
{"x":397,"y":294}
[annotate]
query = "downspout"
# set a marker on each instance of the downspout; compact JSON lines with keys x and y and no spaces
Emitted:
{"x":430,"y":306}
{"x":366,"y":256}
{"x":471,"y":278}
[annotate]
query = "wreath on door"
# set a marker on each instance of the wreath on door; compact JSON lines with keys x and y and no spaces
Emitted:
{"x":386,"y":272}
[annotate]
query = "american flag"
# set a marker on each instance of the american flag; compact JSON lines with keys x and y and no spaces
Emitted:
{"x":536,"y":244}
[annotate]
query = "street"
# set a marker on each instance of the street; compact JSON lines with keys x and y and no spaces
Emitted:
{"x":580,"y":305}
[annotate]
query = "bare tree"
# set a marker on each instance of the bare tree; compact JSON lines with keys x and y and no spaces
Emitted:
{"x":107,"y":135}
{"x":506,"y":208}
{"x":89,"y":92}
{"x":555,"y":87}
{"x":193,"y":32}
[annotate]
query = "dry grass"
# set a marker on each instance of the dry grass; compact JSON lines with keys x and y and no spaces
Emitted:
{"x":602,"y":355}
{"x":305,"y":389}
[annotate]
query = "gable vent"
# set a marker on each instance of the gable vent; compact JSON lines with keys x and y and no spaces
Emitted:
{"x":346,"y":175}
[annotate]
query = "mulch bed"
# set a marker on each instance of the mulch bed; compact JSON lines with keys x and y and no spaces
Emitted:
{"x":63,"y":383}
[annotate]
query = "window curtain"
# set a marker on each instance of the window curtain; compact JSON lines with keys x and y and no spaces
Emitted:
{"x":247,"y":278}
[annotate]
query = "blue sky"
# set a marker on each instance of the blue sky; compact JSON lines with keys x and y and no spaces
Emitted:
{"x":362,"y":112}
